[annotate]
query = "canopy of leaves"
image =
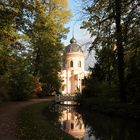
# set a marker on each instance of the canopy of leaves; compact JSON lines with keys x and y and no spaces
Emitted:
{"x":115,"y":28}
{"x":30,"y":45}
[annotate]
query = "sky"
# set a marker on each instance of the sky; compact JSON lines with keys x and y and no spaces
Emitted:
{"x":82,"y":36}
{"x":75,"y":23}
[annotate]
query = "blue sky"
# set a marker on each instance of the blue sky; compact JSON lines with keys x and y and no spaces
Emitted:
{"x":81,"y":35}
{"x":75,"y":23}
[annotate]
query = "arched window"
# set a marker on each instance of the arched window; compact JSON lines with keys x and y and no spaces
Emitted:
{"x":71,"y":63}
{"x":72,"y":126}
{"x":79,"y":64}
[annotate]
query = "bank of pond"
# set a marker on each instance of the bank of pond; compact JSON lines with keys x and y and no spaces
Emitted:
{"x":111,"y":107}
{"x":50,"y":121}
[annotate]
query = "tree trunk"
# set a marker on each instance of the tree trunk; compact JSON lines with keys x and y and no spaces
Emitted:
{"x":120,"y":50}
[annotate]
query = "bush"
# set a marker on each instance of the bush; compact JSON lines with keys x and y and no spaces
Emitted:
{"x":21,"y":85}
{"x":96,"y":88}
{"x":4,"y":88}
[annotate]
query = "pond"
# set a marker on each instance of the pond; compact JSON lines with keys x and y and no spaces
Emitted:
{"x":88,"y":125}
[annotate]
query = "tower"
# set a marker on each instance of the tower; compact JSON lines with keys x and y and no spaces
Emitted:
{"x":73,"y":72}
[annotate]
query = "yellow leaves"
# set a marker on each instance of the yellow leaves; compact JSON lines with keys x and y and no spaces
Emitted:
{"x":37,"y":86}
{"x":61,"y":15}
{"x":60,"y":10}
{"x":58,"y":15}
{"x":39,"y":7}
{"x":61,"y":2}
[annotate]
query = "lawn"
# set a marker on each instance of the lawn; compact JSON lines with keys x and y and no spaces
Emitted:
{"x":33,"y":124}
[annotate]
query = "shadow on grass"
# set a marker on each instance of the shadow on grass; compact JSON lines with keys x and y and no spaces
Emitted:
{"x":34,"y":125}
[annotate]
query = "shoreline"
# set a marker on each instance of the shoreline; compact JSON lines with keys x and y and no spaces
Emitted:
{"x":114,"y":109}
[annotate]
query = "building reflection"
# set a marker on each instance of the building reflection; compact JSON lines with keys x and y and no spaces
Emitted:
{"x":97,"y":126}
{"x":71,"y":122}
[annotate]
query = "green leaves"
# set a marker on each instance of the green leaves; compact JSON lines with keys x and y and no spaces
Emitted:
{"x":46,"y":34}
{"x":30,"y":44}
{"x":115,"y":23}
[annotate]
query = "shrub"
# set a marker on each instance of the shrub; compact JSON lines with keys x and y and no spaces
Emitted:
{"x":21,"y":85}
{"x":4,"y":88}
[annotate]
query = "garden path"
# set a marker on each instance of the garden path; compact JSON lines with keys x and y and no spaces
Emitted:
{"x":8,"y":117}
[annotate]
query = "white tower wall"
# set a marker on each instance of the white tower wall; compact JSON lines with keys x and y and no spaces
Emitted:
{"x":73,"y":72}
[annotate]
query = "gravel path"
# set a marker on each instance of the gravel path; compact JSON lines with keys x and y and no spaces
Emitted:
{"x":8,"y":117}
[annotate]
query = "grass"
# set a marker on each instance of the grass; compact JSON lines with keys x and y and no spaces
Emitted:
{"x":34,"y":125}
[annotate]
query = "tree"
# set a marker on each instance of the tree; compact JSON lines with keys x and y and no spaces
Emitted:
{"x":48,"y":29}
{"x":111,"y":23}
{"x":8,"y":37}
{"x":30,"y":45}
{"x":20,"y":81}
{"x":120,"y":49}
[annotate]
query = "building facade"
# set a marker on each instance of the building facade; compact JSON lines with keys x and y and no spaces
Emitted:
{"x":73,"y":71}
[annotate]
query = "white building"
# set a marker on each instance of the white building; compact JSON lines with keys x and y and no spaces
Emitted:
{"x":73,"y":72}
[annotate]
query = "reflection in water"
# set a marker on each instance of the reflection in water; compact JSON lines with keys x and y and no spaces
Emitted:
{"x":85,"y":125}
{"x":72,"y":123}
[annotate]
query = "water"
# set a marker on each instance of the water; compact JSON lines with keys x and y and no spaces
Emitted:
{"x":86,"y":125}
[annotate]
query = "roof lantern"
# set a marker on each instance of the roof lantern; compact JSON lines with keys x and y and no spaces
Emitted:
{"x":73,"y":46}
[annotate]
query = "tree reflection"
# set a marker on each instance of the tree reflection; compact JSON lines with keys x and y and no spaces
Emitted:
{"x":107,"y":128}
{"x":85,"y":125}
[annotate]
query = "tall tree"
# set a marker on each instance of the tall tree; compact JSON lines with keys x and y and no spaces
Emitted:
{"x":48,"y":29}
{"x":30,"y":43}
{"x":13,"y":50}
{"x":120,"y":48}
{"x":111,"y":22}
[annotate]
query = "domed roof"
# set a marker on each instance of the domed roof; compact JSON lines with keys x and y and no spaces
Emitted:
{"x":73,"y":46}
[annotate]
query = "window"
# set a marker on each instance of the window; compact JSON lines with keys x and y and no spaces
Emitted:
{"x":79,"y":64}
{"x":71,"y":63}
{"x":63,"y":87}
{"x":83,"y":82}
{"x":72,"y":126}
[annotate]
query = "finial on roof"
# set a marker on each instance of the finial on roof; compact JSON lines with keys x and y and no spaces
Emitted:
{"x":73,"y":31}
{"x":73,"y":40}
